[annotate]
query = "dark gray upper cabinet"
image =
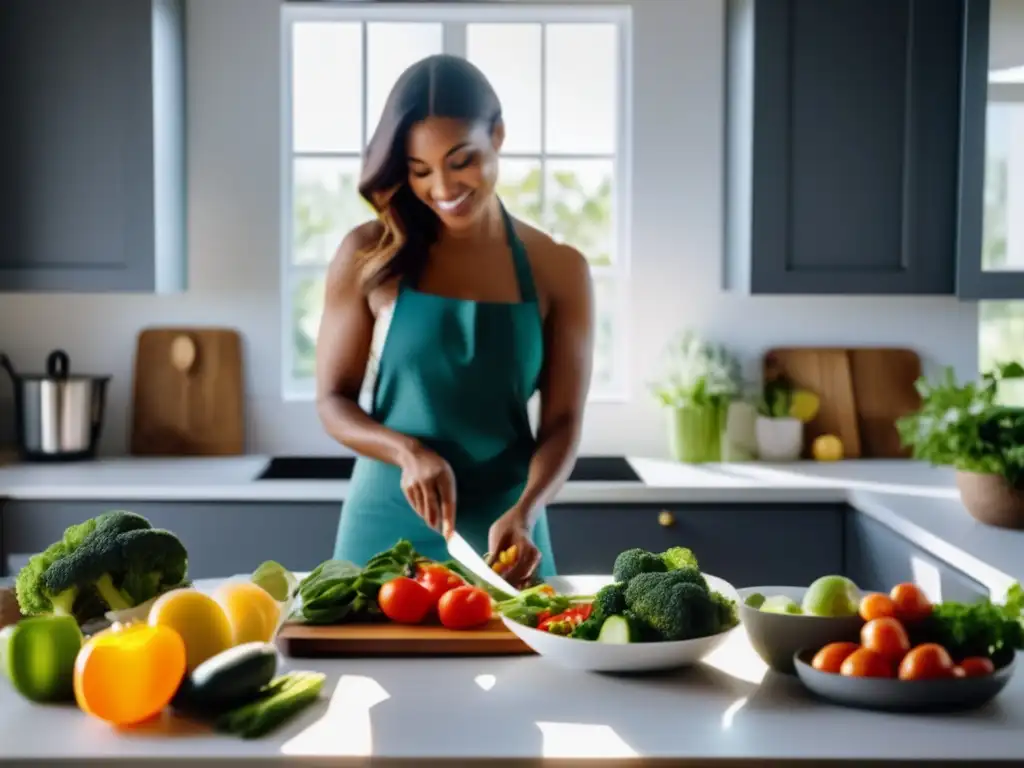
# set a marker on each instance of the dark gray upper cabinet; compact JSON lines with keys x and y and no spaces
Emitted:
{"x":843,"y":146}
{"x":92,"y":146}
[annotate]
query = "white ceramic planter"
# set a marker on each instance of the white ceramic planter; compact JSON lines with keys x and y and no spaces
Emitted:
{"x":779,"y":439}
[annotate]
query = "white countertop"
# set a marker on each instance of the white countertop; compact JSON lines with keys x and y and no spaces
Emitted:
{"x":918,"y":501}
{"x":523,"y":709}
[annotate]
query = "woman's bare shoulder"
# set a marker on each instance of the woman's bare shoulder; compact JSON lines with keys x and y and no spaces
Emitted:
{"x":557,"y":267}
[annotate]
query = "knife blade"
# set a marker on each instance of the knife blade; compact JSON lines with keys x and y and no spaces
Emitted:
{"x":463,"y":552}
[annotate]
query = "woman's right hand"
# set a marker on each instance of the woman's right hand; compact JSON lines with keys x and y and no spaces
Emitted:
{"x":428,"y":483}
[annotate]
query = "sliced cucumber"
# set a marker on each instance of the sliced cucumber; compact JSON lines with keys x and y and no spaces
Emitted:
{"x":617,"y":630}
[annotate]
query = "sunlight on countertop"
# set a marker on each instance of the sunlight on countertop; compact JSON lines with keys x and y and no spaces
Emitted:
{"x":345,"y":730}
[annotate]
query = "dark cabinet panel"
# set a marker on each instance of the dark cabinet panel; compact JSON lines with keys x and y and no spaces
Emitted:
{"x":222,"y":539}
{"x":747,"y":545}
{"x":843,"y":146}
{"x":877,"y":558}
{"x":92,"y":146}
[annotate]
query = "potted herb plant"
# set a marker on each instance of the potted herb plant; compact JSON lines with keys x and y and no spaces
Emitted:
{"x":964,"y":426}
{"x":782,"y":413}
{"x":700,"y":381}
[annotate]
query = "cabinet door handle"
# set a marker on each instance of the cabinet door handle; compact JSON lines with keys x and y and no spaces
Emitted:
{"x":666,"y":519}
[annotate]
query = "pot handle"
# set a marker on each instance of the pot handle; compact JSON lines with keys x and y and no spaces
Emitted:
{"x":58,"y":364}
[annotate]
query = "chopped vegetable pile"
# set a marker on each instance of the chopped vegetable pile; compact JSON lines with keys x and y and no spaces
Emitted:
{"x":655,"y":597}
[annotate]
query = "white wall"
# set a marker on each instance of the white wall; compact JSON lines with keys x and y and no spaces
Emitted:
{"x":233,"y":230}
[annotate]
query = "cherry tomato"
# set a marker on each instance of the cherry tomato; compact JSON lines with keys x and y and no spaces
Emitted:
{"x":865,"y":663}
{"x":464,"y":608}
{"x":405,"y":601}
{"x":886,"y":637}
{"x":437,"y":579}
{"x":911,"y":602}
{"x":976,"y":666}
{"x":928,"y":661}
{"x":831,"y":657}
{"x":876,"y":606}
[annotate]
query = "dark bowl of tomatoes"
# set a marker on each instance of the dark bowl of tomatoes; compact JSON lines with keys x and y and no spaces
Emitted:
{"x":924,"y":679}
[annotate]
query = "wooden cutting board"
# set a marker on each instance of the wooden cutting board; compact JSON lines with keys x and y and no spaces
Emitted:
{"x":863,"y":391}
{"x":386,"y":639}
{"x":188,"y":393}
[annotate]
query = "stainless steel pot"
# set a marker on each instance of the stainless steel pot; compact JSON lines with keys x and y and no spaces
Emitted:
{"x":57,"y":416}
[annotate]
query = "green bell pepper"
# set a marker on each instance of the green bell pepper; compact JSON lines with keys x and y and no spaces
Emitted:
{"x":37,"y":654}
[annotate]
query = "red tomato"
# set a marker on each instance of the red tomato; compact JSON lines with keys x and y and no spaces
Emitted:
{"x":464,"y":608}
{"x":976,"y":666}
{"x":910,"y":602}
{"x":886,"y":637}
{"x":437,"y":579}
{"x":405,"y":601}
{"x":928,"y":661}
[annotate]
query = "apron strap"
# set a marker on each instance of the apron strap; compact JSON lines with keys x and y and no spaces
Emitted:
{"x":524,"y":274}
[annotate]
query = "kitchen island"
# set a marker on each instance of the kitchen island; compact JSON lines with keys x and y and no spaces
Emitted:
{"x":521,"y":710}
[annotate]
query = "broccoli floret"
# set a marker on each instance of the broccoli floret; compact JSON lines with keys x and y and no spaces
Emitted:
{"x":675,"y":608}
{"x":633,"y":562}
{"x":677,"y":558}
{"x":111,"y":562}
{"x":154,"y":560}
{"x":588,"y":629}
{"x":726,"y":612}
{"x":610,"y":600}
{"x":689,"y":575}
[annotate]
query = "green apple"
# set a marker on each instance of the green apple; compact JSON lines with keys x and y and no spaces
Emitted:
{"x":832,"y":596}
{"x":780,"y":604}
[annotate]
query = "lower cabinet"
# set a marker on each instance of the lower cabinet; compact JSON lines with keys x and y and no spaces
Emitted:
{"x":745,"y":544}
{"x":877,"y":558}
{"x":222,"y":538}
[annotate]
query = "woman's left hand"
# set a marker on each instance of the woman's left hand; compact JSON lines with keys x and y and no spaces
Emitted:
{"x":508,"y":531}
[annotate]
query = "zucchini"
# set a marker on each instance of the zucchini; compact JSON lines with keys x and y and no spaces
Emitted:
{"x":229,"y":679}
{"x":618,"y":630}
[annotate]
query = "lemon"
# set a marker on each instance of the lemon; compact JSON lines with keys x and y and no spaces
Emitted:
{"x":827,"y":448}
{"x":275,"y":579}
{"x":198,"y":618}
{"x":804,"y":405}
{"x":252,"y":612}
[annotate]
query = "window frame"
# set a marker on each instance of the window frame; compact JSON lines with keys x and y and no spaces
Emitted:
{"x":454,"y":18}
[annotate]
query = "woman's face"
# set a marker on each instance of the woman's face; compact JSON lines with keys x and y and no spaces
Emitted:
{"x":453,"y":167}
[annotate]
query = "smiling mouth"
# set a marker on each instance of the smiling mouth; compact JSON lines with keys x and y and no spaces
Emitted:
{"x":449,"y":206}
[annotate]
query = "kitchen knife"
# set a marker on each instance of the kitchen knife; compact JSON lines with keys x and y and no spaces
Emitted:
{"x":464,"y":554}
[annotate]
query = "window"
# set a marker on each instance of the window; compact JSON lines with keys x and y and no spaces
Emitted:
{"x":1001,"y":337}
{"x":560,"y":73}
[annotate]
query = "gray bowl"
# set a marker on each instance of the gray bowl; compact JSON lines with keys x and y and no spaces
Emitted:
{"x":777,"y":636}
{"x":893,"y":695}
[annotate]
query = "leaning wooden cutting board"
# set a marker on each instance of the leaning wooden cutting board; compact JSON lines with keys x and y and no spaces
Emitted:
{"x":188,"y":393}
{"x":863,"y":391}
{"x":386,"y":639}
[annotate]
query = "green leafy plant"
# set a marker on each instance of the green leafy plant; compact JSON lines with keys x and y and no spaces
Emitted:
{"x":966,"y":427}
{"x":698,"y":373}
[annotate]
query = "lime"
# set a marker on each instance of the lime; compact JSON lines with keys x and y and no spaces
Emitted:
{"x":803,"y":405}
{"x":275,"y":579}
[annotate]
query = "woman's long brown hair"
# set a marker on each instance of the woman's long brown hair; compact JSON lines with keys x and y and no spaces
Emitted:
{"x":437,"y":86}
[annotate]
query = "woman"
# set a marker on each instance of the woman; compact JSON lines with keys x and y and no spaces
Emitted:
{"x":479,"y":310}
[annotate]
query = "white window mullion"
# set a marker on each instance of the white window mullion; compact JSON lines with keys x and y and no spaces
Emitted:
{"x":543,"y":125}
{"x":454,"y":38}
{"x":365,"y":100}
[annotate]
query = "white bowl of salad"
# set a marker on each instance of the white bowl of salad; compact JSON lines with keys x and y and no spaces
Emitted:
{"x":654,"y":611}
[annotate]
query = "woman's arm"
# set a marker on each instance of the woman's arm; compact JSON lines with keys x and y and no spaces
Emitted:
{"x":565,"y":381}
{"x":342,"y":350}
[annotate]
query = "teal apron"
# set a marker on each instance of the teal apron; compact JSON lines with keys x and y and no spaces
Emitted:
{"x":456,"y":375}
